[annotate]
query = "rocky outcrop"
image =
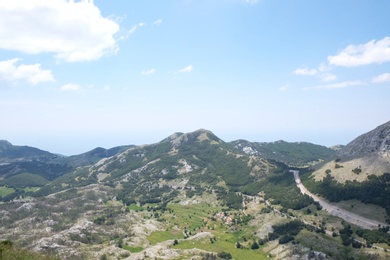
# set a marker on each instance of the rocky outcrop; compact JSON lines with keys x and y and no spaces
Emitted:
{"x":373,"y":143}
{"x":368,"y":154}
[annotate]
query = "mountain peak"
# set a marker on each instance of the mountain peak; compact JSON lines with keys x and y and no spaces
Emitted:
{"x":5,"y":143}
{"x":373,"y":143}
{"x":197,"y":136}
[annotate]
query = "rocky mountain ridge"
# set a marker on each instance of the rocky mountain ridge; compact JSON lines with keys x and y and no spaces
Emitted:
{"x":368,"y":154}
{"x":373,"y":143}
{"x":189,"y":196}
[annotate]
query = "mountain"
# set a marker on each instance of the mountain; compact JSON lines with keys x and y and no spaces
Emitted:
{"x":145,"y":173}
{"x":368,"y":154}
{"x":375,"y":143}
{"x":90,"y":157}
{"x":359,"y":171}
{"x":189,"y":196}
{"x":23,"y":166}
{"x":12,"y":153}
{"x":294,"y":154}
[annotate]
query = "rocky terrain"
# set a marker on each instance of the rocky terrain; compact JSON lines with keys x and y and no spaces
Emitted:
{"x":190,"y":196}
{"x":368,"y":154}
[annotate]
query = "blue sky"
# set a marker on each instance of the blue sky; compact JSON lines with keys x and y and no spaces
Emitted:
{"x":75,"y":75}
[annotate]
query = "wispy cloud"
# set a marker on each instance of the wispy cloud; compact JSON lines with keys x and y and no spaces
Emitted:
{"x":70,"y":87}
{"x":158,"y":22}
{"x":148,"y":72}
{"x":363,"y":54}
{"x":251,"y":1}
{"x":33,"y":74}
{"x":337,"y":85}
{"x":284,"y":87}
{"x":189,"y":68}
{"x":135,"y":28}
{"x":327,"y":77}
{"x":305,"y":72}
{"x":71,"y":30}
{"x":385,"y":77}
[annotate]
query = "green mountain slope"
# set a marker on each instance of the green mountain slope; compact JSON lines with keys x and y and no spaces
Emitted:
{"x":294,"y":154}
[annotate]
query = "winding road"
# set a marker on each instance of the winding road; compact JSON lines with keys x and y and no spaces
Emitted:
{"x":336,"y":211}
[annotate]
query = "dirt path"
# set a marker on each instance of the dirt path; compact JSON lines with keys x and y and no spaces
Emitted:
{"x":336,"y":211}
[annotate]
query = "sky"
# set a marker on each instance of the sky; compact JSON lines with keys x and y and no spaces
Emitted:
{"x":75,"y":75}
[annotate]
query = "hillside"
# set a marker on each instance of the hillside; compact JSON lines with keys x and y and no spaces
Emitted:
{"x":368,"y":154}
{"x":359,"y":171}
{"x":190,"y":196}
{"x":13,"y":153}
{"x":24,"y":166}
{"x":294,"y":154}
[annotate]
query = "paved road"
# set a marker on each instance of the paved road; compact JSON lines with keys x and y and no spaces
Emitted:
{"x":336,"y":211}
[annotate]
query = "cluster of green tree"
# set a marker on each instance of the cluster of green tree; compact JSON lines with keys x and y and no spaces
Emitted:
{"x":49,"y":171}
{"x":79,"y":178}
{"x":380,"y":235}
{"x":281,"y":188}
{"x":375,"y":190}
{"x":24,"y":180}
{"x":143,"y":188}
{"x":290,"y":153}
{"x":9,"y":251}
{"x":220,"y":165}
{"x":231,"y":199}
{"x":16,"y":194}
{"x":286,"y":232}
{"x":220,"y":256}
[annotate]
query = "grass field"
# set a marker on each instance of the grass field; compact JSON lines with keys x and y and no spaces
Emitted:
{"x":4,"y":191}
{"x":135,"y":207}
{"x":132,"y":249}
{"x":198,"y":218}
{"x":223,"y":246}
{"x":31,"y":189}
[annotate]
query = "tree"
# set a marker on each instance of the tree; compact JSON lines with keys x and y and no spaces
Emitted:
{"x":254,"y":245}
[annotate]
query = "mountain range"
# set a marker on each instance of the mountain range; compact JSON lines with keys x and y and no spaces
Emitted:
{"x":195,"y":196}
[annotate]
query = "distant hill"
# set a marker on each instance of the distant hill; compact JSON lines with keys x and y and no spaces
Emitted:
{"x":294,"y":154}
{"x":23,"y":166}
{"x":13,"y":153}
{"x":90,"y":157}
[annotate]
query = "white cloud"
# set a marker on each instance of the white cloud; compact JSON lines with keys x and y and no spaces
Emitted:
{"x":305,"y":72}
{"x":328,"y":77}
{"x":70,"y":87}
{"x":34,"y":74}
{"x":107,"y":88}
{"x":72,"y":31}
{"x":189,"y":68}
{"x":337,"y":85}
{"x":157,"y":22}
{"x":324,"y":68}
{"x":148,"y":72}
{"x":385,"y":77}
{"x":363,"y":54}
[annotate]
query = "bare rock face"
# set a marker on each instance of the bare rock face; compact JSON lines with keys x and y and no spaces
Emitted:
{"x":373,"y":143}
